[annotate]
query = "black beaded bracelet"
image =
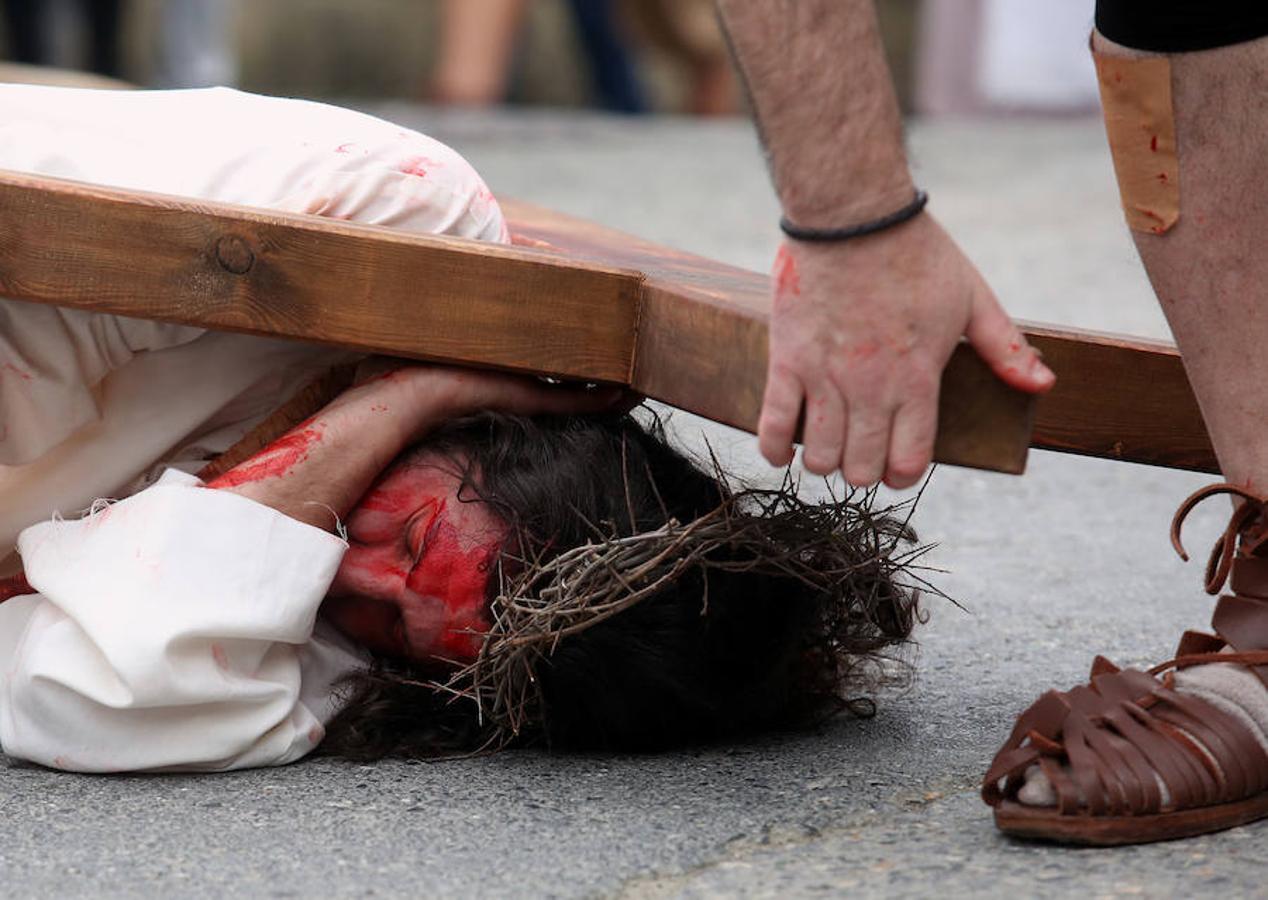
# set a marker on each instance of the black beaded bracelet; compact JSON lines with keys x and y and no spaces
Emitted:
{"x":911,"y":210}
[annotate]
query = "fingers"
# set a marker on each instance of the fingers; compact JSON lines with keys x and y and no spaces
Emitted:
{"x":1004,"y":348}
{"x":781,"y":407}
{"x":824,"y":436}
{"x":866,"y":446}
{"x":911,"y":442}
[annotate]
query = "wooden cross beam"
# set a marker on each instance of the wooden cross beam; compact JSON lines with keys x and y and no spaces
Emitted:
{"x":571,"y":299}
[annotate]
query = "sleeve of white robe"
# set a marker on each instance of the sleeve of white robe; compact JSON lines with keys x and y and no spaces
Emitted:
{"x":215,"y":144}
{"x":52,"y":361}
{"x":167,"y":633}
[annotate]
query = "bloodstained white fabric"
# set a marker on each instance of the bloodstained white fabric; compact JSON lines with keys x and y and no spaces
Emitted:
{"x":176,"y":629}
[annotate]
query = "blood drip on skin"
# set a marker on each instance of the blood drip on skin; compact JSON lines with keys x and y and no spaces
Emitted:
{"x":14,"y":370}
{"x":390,"y":375}
{"x":787,"y":280}
{"x":1153,"y":143}
{"x":14,"y":586}
{"x":276,"y":459}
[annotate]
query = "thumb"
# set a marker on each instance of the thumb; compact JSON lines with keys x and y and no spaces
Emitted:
{"x":1004,"y":348}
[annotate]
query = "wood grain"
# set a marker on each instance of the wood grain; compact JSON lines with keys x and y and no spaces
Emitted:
{"x":366,"y":288}
{"x":1119,"y":398}
{"x":703,"y":332}
{"x":574,"y":300}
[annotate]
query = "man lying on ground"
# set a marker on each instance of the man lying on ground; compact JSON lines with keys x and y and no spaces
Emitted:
{"x":199,"y":627}
{"x":227,"y":625}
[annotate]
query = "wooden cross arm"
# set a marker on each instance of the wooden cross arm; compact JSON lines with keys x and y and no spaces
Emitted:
{"x":573,"y":300}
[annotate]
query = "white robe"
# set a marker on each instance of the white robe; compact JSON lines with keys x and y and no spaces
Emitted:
{"x":187,"y":644}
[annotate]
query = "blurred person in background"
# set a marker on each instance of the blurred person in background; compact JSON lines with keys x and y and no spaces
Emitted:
{"x":30,"y":25}
{"x":1004,"y":56}
{"x":196,"y":47}
{"x":478,"y":43}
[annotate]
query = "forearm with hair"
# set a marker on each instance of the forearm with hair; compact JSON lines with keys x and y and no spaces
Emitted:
{"x":825,"y":106}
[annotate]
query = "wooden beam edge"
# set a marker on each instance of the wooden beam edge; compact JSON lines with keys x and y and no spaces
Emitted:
{"x":982,"y":422}
{"x":1119,"y":397}
{"x":71,"y":244}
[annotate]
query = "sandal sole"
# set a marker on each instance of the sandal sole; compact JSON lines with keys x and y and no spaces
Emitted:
{"x":1018,"y":820}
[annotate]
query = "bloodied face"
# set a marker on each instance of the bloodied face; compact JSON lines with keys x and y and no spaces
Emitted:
{"x":414,"y":580}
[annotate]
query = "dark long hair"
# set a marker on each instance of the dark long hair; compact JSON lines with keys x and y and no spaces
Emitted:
{"x":768,"y":652}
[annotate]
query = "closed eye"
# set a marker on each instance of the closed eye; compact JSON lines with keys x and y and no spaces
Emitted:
{"x":416,"y":537}
{"x":417,"y":532}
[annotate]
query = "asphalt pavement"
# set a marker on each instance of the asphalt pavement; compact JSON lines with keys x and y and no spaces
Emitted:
{"x":1051,"y":568}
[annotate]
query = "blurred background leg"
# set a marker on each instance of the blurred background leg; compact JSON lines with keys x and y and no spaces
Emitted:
{"x":606,"y":45}
{"x":196,"y":45}
{"x":23,"y":25}
{"x":103,"y":18}
{"x":477,"y":48}
{"x":687,"y":32}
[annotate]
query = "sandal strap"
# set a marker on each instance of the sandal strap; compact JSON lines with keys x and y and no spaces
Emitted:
{"x":1242,"y":623}
{"x":1107,"y":744}
{"x":1220,"y":563}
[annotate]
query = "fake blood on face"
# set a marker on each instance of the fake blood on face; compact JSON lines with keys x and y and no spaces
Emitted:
{"x":414,"y":579}
{"x":457,"y":576}
{"x":277,"y":458}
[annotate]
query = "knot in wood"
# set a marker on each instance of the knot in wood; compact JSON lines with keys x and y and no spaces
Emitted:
{"x":234,"y":255}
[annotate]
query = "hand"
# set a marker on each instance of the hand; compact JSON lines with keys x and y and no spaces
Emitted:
{"x":316,"y":472}
{"x":422,"y":395}
{"x":860,"y":332}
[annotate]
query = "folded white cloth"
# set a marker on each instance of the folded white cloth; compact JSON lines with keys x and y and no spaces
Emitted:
{"x":171,"y":630}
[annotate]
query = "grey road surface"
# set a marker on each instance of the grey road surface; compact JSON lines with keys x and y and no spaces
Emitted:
{"x":1068,"y":561}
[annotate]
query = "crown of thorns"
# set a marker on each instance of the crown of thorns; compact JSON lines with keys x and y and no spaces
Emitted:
{"x":846,"y":548}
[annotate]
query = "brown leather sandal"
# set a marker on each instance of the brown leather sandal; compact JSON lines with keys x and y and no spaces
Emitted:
{"x":1109,"y":746}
